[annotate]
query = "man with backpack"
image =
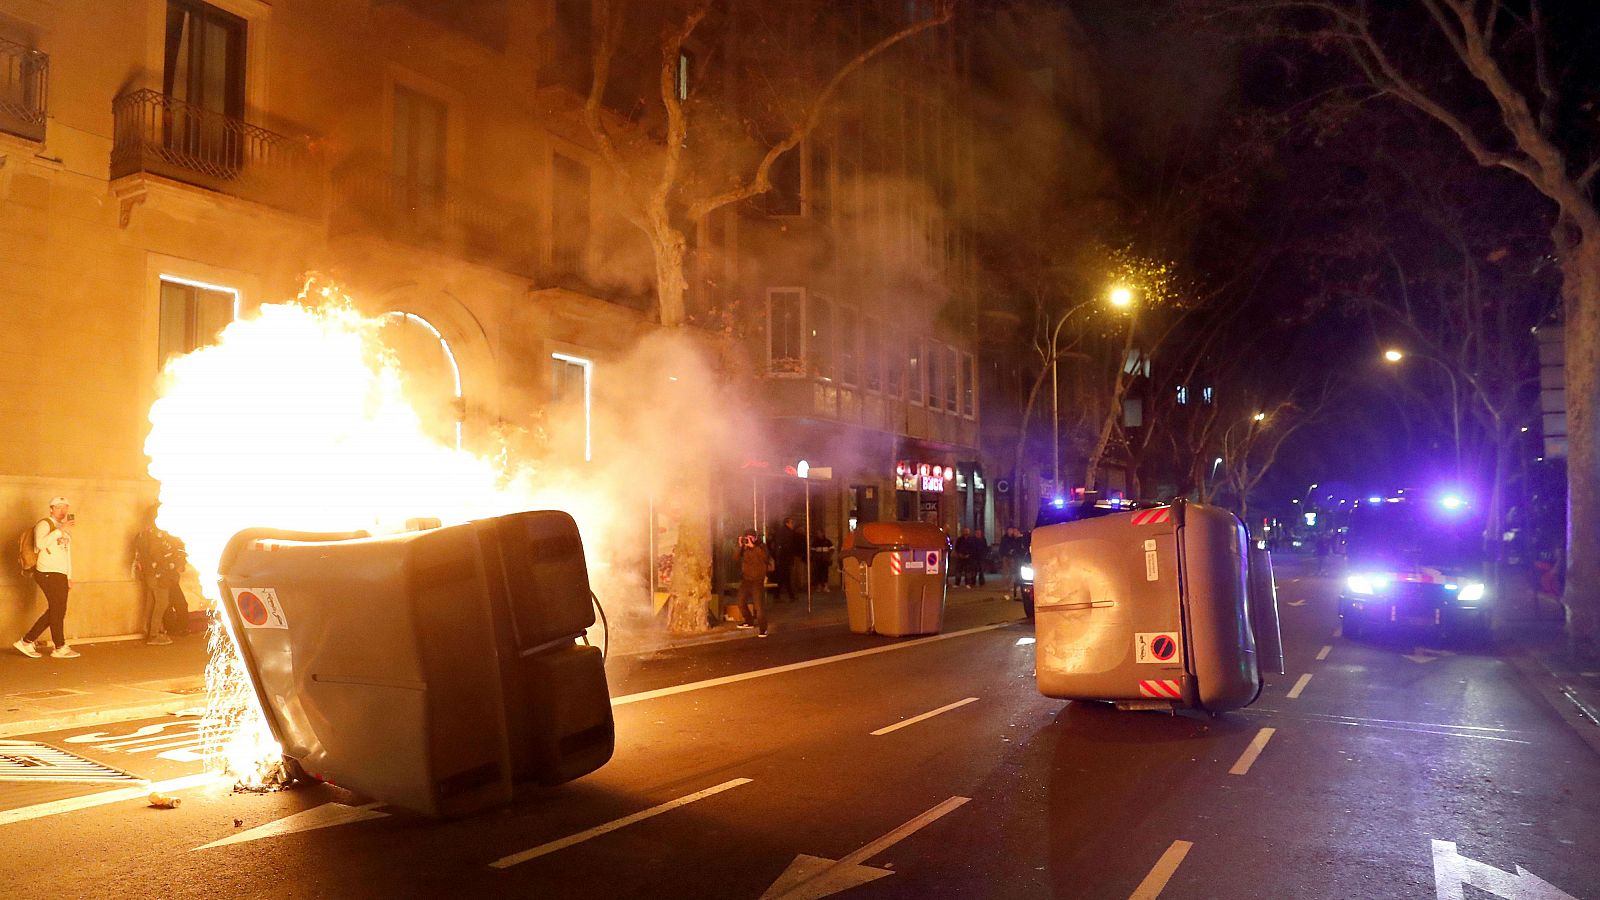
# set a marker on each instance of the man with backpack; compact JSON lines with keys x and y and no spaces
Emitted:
{"x":51,"y":568}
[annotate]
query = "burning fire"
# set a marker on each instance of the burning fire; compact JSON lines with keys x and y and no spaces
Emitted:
{"x":296,"y":418}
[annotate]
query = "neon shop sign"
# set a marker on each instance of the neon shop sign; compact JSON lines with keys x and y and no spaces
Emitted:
{"x":926,"y":477}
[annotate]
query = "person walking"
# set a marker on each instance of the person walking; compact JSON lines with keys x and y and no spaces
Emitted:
{"x":754,"y":564}
{"x":52,"y":536}
{"x":159,"y":559}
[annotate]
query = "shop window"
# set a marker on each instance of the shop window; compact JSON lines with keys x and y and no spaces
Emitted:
{"x":571,"y":393}
{"x":819,"y":337}
{"x":192,"y":315}
{"x":417,"y":158}
{"x":952,"y":380}
{"x":785,"y":331}
{"x":872,"y":354}
{"x":969,"y":387}
{"x":914,"y":371}
{"x":570,"y":217}
{"x":849,"y":343}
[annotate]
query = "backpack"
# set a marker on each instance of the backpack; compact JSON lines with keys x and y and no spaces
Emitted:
{"x":27,"y":550}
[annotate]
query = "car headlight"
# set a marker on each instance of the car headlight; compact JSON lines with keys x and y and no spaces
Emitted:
{"x":1471,"y":593}
{"x":1366,"y":584}
{"x":1026,"y":573}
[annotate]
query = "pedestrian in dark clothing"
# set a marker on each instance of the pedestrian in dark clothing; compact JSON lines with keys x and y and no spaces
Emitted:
{"x":968,"y":551}
{"x":754,"y":564}
{"x":821,"y":558}
{"x":159,"y":559}
{"x":980,"y":545}
{"x":1011,"y":552}
{"x":788,"y":551}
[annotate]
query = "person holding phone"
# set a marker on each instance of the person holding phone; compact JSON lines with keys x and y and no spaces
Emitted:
{"x":53,"y":574}
{"x":754,"y":564}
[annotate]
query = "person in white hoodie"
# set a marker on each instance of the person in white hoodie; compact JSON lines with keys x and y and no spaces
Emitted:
{"x":53,"y":575}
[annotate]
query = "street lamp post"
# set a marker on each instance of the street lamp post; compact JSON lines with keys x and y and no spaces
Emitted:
{"x":1393,"y":356}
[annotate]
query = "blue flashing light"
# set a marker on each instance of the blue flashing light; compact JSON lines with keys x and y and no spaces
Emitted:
{"x":1374,"y":499}
{"x":1452,"y":501}
{"x":1059,"y":502}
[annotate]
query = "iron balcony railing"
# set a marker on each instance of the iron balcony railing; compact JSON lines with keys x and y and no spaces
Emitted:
{"x":438,"y":214}
{"x":24,"y":90}
{"x":161,"y":135}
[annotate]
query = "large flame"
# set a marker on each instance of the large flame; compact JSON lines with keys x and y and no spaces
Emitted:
{"x":296,"y":418}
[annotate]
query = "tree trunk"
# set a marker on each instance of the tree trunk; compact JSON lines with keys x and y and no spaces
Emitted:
{"x":691,"y":586}
{"x":1581,"y":595}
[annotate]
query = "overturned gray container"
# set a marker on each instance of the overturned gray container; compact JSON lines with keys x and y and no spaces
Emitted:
{"x":1149,"y":609}
{"x":894,"y":578}
{"x":433,"y":670}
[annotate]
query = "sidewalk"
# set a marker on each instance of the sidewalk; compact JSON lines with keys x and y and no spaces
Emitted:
{"x":1571,"y":686}
{"x":125,"y":679}
{"x":963,"y":608}
{"x":111,"y":681}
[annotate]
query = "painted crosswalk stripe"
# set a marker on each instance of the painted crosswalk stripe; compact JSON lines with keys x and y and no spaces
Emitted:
{"x":1153,"y":883}
{"x":1299,"y":686}
{"x":1248,"y":757}
{"x":927,"y":715}
{"x":506,"y":862}
{"x":73,"y":804}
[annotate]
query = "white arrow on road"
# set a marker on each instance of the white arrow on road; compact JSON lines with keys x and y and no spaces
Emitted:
{"x":810,"y":877}
{"x":325,"y":816}
{"x":1451,"y":870}
{"x":1300,"y":602}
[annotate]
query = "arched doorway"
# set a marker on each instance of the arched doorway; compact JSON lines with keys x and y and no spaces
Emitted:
{"x":430,"y":376}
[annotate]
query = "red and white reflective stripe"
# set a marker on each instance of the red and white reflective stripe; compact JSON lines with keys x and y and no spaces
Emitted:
{"x":1163,"y":688}
{"x":896,"y":566}
{"x":1158,"y":516}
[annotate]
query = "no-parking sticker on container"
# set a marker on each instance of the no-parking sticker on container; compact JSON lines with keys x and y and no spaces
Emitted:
{"x":1156,"y":647}
{"x":259,"y":608}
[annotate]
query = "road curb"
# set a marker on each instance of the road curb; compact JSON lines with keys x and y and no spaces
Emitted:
{"x":1559,"y":694}
{"x":97,"y":716}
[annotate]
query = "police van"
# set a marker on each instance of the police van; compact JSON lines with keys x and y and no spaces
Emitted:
{"x":1416,"y":563}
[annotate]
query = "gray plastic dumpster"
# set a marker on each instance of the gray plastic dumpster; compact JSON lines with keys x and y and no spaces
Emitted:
{"x":1148,"y":609}
{"x":431,"y":670}
{"x":894,"y":578}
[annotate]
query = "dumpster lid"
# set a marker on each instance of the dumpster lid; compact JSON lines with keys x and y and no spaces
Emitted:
{"x":917,"y":535}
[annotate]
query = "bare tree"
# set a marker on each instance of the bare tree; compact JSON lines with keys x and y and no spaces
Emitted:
{"x":1506,"y":56}
{"x":656,"y":185}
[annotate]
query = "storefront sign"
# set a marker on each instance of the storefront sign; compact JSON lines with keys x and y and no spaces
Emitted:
{"x":929,"y":478}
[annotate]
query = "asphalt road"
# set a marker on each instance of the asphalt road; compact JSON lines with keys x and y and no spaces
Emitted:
{"x":1392,"y":771}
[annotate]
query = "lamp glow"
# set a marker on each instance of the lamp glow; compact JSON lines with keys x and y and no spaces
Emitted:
{"x":1121,"y":297}
{"x":1393,"y":355}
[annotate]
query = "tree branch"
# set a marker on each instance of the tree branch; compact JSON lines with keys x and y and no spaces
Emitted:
{"x":761,"y":182}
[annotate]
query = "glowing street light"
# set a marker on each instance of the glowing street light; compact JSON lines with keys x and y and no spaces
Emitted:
{"x":1260,"y":416}
{"x":1121,"y":297}
{"x":1392,"y":355}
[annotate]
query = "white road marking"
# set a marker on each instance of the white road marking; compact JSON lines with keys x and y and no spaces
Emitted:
{"x":1024,"y":641}
{"x":1248,"y":757}
{"x":506,"y":862}
{"x":1323,"y":653}
{"x":1390,"y":724}
{"x":927,"y":715}
{"x":180,"y":755}
{"x":1294,"y":692}
{"x":325,"y":816}
{"x":1152,"y":885}
{"x":118,"y":745}
{"x":795,"y":667}
{"x":194,"y":741}
{"x":1300,"y":602}
{"x":811,"y":877}
{"x":1451,"y":870}
{"x":72,"y":804}
{"x":95,"y":737}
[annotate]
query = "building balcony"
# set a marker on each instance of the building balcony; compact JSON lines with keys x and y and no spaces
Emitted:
{"x":155,"y":134}
{"x":442,"y":216}
{"x":24,"y":90}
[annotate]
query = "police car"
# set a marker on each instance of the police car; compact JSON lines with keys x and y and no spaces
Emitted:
{"x":1416,"y":563}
